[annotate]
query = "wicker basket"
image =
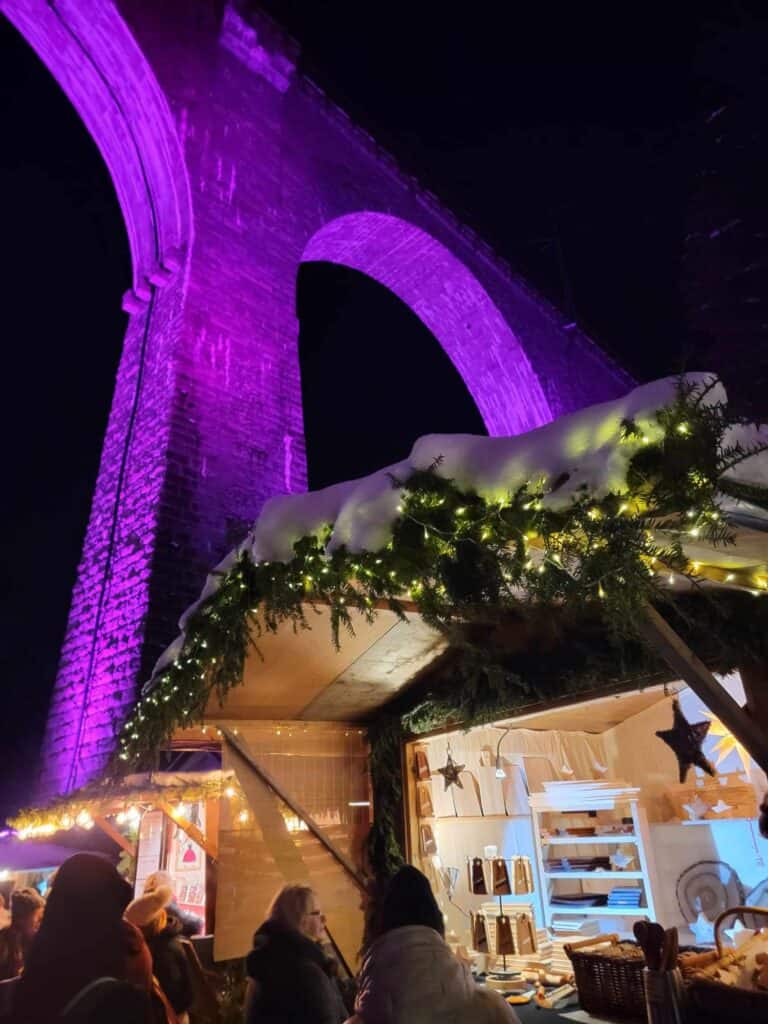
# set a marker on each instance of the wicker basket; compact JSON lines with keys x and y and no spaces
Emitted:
{"x":710,"y":1000}
{"x":609,"y":979}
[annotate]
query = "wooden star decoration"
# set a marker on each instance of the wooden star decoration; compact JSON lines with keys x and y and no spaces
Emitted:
{"x":451,"y":772}
{"x":620,"y":861}
{"x":696,"y":809}
{"x":703,"y":929}
{"x":739,"y":934}
{"x":685,"y":739}
{"x":721,"y":807}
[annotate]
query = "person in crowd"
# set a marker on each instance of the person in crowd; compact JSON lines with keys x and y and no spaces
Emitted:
{"x":409,"y":974}
{"x":5,"y":914}
{"x":161,"y":930}
{"x":191,"y":924}
{"x":83,"y":939}
{"x":290,"y":980}
{"x":27,"y":907}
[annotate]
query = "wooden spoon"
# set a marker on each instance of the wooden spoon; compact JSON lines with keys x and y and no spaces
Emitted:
{"x":671,"y":949}
{"x":655,"y":945}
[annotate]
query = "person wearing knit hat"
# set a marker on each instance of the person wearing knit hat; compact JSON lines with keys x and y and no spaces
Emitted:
{"x":152,"y":915}
{"x":27,"y":907}
{"x":191,"y":924}
{"x":409,"y":975}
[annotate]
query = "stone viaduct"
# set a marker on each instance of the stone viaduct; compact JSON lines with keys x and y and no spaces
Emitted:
{"x":231,"y":169}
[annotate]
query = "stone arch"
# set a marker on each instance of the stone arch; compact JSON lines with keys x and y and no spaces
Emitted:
{"x":92,"y":54}
{"x":90,"y":51}
{"x":451,"y":302}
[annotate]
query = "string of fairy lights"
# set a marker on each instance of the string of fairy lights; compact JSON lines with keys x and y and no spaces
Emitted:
{"x":454,"y":551}
{"x":125,"y":806}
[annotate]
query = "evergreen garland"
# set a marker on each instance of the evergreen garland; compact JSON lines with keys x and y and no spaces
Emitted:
{"x":462,"y":558}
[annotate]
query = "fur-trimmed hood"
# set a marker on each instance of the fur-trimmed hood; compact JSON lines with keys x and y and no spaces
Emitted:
{"x":410,"y":976}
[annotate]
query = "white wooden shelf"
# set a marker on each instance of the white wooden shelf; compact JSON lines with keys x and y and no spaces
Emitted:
{"x":595,"y":875}
{"x":588,"y":840}
{"x":556,"y":908}
{"x":474,"y":817}
{"x":705,"y":821}
{"x":639,"y":836}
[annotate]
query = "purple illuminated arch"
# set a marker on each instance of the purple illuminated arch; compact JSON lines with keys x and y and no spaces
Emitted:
{"x":91,"y":53}
{"x":451,"y":302}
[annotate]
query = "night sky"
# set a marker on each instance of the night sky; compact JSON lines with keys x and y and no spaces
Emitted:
{"x":573,"y":142}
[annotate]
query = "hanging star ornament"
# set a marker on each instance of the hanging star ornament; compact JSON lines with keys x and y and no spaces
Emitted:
{"x":451,"y":772}
{"x":726,"y":743}
{"x":685,"y":739}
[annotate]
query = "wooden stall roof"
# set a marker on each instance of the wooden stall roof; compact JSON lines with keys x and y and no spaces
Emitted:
{"x":594,"y":716}
{"x":299,"y":674}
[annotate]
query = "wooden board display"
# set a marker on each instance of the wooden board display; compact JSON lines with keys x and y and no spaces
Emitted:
{"x":730,"y":794}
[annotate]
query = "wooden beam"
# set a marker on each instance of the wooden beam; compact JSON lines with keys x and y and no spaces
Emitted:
{"x":191,"y":830}
{"x":754,"y":676}
{"x":241,"y":748}
{"x":115,"y":835}
{"x":695,"y":673}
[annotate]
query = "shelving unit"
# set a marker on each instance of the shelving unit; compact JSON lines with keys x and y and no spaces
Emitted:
{"x":594,"y":876}
{"x":471,"y":817}
{"x":637,"y":912}
{"x":591,"y":840}
{"x":627,"y":801}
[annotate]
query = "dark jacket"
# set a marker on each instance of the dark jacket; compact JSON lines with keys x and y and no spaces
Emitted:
{"x":293,"y":980}
{"x":12,"y":953}
{"x":171,"y":967}
{"x":191,"y":924}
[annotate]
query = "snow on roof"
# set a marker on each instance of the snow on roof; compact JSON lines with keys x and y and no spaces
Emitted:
{"x":585,"y":446}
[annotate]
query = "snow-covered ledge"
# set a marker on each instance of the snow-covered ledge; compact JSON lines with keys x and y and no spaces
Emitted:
{"x":585,"y":452}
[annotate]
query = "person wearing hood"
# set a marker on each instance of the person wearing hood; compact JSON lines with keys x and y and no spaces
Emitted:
{"x":161,"y":930}
{"x":27,"y":907}
{"x":409,"y":974}
{"x":290,"y":980}
{"x":83,"y":940}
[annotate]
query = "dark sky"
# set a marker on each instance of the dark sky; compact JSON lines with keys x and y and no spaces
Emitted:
{"x":570,"y":141}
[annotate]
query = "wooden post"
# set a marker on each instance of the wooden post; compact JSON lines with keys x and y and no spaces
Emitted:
{"x":754,"y":676}
{"x":695,"y":673}
{"x":191,"y":830}
{"x":116,"y":836}
{"x":241,"y":749}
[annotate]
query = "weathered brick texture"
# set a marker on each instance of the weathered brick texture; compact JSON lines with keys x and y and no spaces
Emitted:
{"x":206,"y":420}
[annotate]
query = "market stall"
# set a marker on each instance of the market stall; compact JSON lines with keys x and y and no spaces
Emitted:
{"x":590,"y":796}
{"x":524,"y":588}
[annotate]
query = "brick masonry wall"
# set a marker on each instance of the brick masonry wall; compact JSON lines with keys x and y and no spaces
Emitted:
{"x":215,"y":427}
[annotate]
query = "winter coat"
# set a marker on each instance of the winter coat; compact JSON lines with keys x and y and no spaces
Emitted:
{"x":12,"y":953}
{"x":171,"y":967}
{"x":410,"y":976}
{"x":191,"y":924}
{"x":293,"y":980}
